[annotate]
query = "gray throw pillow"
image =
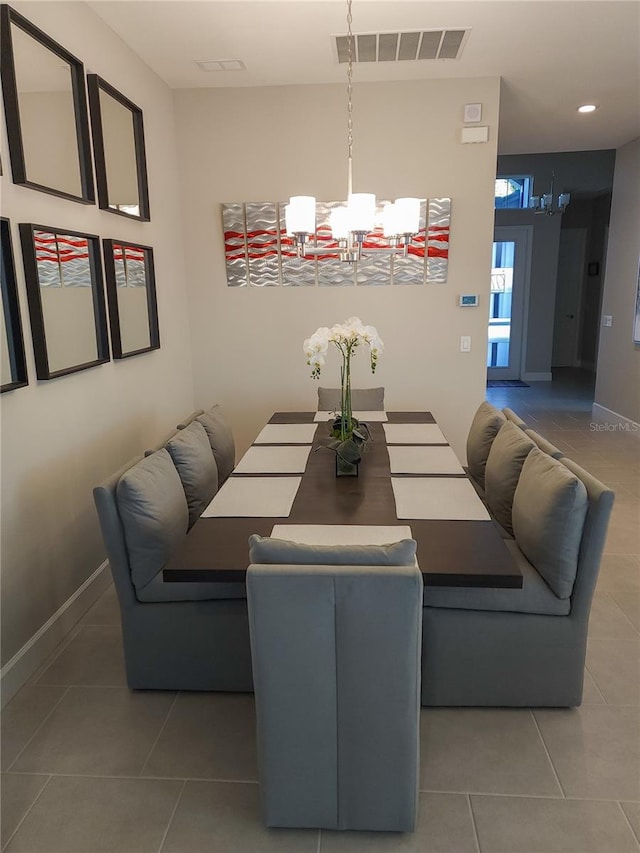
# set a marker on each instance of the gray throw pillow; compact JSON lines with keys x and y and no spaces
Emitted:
{"x":196,"y":465}
{"x":509,"y":450}
{"x":220,"y":439}
{"x":549,"y":510}
{"x":362,"y":399}
{"x":154,"y":514}
{"x":263,"y":549}
{"x":484,"y":428}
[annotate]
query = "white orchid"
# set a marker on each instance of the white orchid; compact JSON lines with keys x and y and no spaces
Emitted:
{"x":346,"y":337}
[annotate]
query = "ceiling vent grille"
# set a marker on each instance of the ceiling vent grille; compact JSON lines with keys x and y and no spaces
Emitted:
{"x":401,"y":47}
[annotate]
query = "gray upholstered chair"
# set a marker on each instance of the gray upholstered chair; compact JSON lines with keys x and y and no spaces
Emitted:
{"x":524,"y":647}
{"x":179,"y":636}
{"x":336,"y":661}
{"x":362,"y":399}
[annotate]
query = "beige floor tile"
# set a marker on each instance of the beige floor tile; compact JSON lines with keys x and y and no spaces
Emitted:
{"x":622,"y":538}
{"x":444,"y":825}
{"x":208,"y":736}
{"x":590,"y":693}
{"x":225,"y":818}
{"x":615,"y":667}
{"x":79,"y":815}
{"x":595,"y":750}
{"x":525,"y":825}
{"x":106,"y":610}
{"x":18,"y":792}
{"x":608,"y":622}
{"x":632,"y":813}
{"x":98,"y":731}
{"x":486,"y":750}
{"x":23,"y":715}
{"x":94,"y":656}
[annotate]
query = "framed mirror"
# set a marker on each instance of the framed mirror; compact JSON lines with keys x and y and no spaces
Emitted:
{"x":46,"y":111}
{"x":13,"y":366}
{"x":118,"y":147}
{"x":66,"y":299}
{"x":131,"y":291}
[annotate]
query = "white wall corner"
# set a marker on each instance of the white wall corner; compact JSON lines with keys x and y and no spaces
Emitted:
{"x":16,"y":672}
{"x":612,"y":421}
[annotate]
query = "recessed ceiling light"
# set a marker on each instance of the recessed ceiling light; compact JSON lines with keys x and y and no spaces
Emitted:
{"x":587,"y":108}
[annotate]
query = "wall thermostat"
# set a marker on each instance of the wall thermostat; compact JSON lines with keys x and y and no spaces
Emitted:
{"x":469,"y":300}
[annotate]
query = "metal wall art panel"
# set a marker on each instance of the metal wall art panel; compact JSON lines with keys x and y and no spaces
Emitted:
{"x":259,"y":253}
{"x":294,"y":271}
{"x":235,"y":247}
{"x":62,"y":260}
{"x":262,"y":244}
{"x":438,"y":227}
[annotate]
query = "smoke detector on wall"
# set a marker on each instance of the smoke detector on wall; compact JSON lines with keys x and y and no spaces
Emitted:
{"x":405,"y":46}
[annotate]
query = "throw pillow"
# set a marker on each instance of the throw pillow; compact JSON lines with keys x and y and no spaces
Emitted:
{"x":549,"y":510}
{"x":154,"y":514}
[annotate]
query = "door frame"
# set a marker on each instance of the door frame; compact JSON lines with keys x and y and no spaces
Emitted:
{"x":519,"y":306}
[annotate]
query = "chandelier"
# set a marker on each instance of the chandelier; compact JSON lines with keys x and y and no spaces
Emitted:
{"x":352,"y":222}
{"x":545,"y":203}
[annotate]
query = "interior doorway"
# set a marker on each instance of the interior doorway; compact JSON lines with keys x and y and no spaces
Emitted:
{"x":568,"y":311}
{"x":510,"y":268}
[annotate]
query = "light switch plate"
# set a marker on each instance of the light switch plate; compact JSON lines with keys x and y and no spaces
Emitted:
{"x":607,"y":320}
{"x":475,"y":134}
{"x":465,"y":343}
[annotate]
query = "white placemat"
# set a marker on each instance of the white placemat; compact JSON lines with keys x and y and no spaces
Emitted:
{"x":245,"y":497}
{"x":286,"y":434}
{"x":274,"y":460}
{"x":341,"y":534}
{"x":414,"y":434}
{"x":423,"y":459}
{"x":361,"y":416}
{"x":437,"y":497}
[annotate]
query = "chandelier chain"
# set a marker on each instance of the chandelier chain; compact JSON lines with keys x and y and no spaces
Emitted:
{"x":349,"y":88}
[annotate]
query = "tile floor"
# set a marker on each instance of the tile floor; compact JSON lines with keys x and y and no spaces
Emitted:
{"x":89,"y":767}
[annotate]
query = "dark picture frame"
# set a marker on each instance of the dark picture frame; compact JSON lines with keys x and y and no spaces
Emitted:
{"x":19,"y":166}
{"x":37,"y":318}
{"x":11,"y":312}
{"x":95,"y":85}
{"x":125,"y":247}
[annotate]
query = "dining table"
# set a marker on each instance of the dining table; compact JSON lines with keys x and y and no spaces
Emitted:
{"x":409,"y":483}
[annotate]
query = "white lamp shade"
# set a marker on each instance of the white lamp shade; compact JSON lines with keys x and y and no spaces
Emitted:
{"x":339,"y":223}
{"x":407,"y":215}
{"x":300,"y":215}
{"x":362,"y":212}
{"x":389,"y":220}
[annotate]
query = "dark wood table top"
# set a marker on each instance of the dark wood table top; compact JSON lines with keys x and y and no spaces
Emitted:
{"x":450,"y":553}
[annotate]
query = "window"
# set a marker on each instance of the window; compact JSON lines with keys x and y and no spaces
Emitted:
{"x":513,"y":191}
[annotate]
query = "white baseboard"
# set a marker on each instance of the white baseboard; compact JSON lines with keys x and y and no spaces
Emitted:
{"x":614,"y":421}
{"x":38,"y":648}
{"x":537,"y":377}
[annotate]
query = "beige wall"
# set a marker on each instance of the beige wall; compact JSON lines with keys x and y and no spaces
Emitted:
{"x":269,"y":143}
{"x":60,"y":438}
{"x":618,"y":371}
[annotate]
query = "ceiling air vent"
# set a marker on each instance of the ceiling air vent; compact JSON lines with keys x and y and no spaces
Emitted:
{"x":400,"y":47}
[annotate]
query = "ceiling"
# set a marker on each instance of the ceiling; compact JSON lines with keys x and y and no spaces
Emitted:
{"x":552,"y":55}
